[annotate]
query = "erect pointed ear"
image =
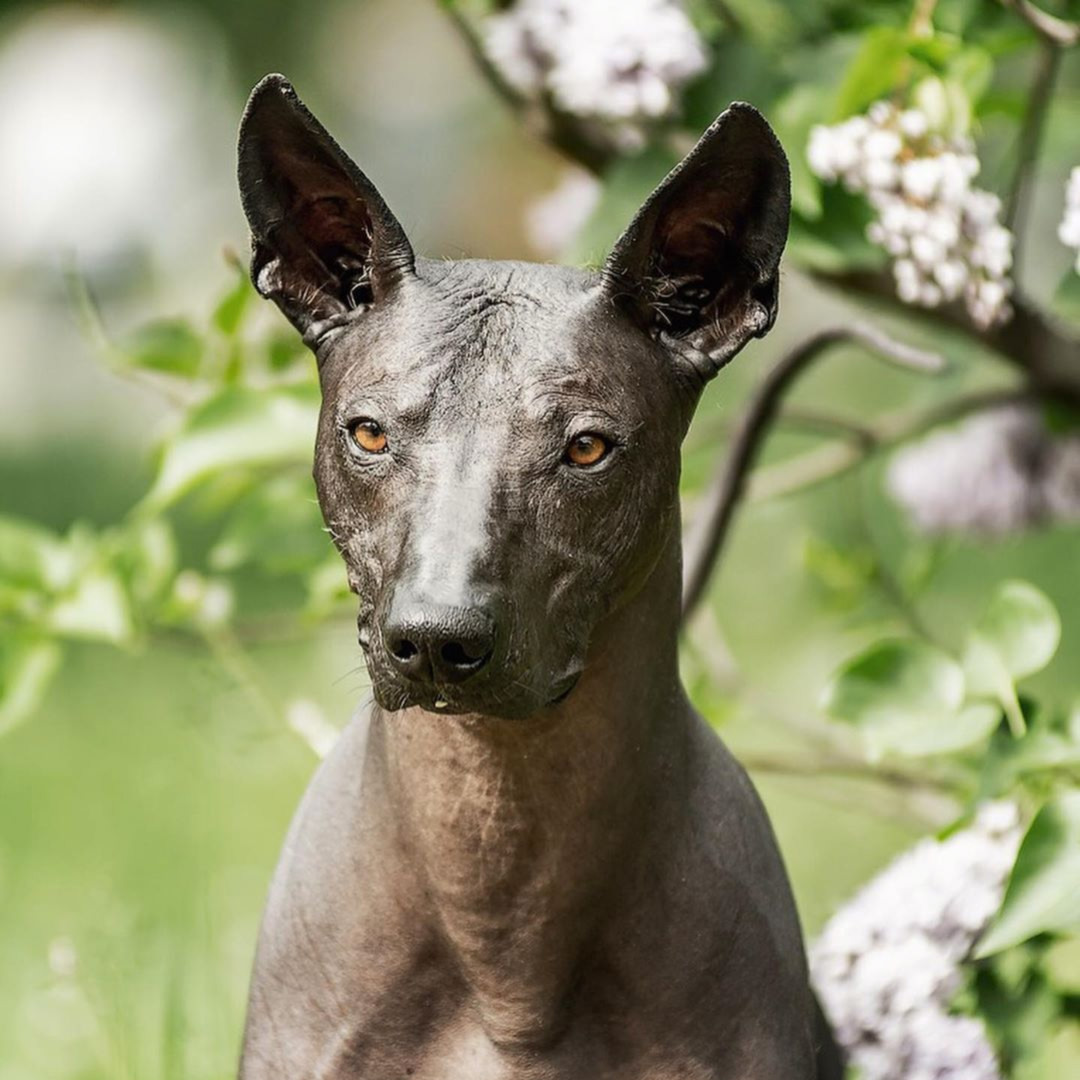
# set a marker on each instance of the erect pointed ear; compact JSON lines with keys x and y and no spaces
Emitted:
{"x":323,"y":241}
{"x":699,"y":265}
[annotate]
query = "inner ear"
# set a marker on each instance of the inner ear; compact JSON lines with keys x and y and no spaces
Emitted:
{"x":323,"y":240}
{"x":699,"y":264}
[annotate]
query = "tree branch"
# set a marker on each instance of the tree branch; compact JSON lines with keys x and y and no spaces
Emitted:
{"x":1047,"y":352}
{"x":1050,"y":28}
{"x":714,"y":518}
{"x":863,"y":440}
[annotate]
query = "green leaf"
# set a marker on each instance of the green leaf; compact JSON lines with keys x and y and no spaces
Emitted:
{"x":907,"y":697}
{"x":1017,"y":635}
{"x":1043,"y":895}
{"x":239,"y":428}
{"x":26,"y":667}
{"x":278,"y":526}
{"x":147,"y":559}
{"x":97,"y":609}
{"x":875,"y":71}
{"x":166,"y":345}
{"x":1022,"y":625}
{"x":33,"y":557}
{"x":229,"y":314}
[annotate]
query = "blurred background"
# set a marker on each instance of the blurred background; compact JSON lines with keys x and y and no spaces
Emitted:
{"x":176,"y":644}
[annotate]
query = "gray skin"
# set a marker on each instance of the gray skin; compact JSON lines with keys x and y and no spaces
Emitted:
{"x":528,"y":858}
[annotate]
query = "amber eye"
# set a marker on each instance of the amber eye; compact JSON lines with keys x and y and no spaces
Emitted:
{"x":369,"y":436}
{"x":586,"y":449}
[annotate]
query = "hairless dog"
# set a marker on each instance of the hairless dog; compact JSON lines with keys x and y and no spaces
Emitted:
{"x":528,"y":858}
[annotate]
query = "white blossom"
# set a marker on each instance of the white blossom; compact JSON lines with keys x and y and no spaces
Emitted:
{"x":1069,"y":229}
{"x":888,"y":964}
{"x":620,"y":62}
{"x":553,"y":220}
{"x":996,"y":473}
{"x":943,"y":234}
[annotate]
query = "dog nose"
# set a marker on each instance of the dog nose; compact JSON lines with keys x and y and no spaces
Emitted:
{"x":438,"y":643}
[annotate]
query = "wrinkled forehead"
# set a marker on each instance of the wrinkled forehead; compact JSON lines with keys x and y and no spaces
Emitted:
{"x":476,"y":338}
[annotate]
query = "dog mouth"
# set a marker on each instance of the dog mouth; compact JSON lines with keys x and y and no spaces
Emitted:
{"x":507,"y":696}
{"x":512,"y":703}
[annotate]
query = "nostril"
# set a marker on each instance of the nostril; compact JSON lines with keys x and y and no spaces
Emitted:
{"x":403,"y":649}
{"x":460,"y":655}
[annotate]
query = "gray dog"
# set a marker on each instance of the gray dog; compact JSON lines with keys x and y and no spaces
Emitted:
{"x":529,"y":859}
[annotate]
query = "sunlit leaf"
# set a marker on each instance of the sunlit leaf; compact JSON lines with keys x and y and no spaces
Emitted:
{"x":97,"y":609}
{"x":1022,"y":625}
{"x":277,"y":526}
{"x":229,"y":314}
{"x":906,"y":697}
{"x":1044,"y":891}
{"x":32,"y":556}
{"x":26,"y":667}
{"x":239,"y":428}
{"x":875,"y":71}
{"x":166,"y":345}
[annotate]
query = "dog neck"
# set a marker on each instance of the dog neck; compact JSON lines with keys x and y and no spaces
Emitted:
{"x":521,"y":829}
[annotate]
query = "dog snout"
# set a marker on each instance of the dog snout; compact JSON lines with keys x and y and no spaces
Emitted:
{"x":438,"y":643}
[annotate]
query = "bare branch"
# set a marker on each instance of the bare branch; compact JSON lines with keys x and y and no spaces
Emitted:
{"x":479,"y":56}
{"x":1047,"y":352}
{"x":1050,"y":28}
{"x":834,"y":459}
{"x":718,"y":507}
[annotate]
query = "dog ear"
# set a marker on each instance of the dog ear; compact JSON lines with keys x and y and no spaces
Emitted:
{"x":323,"y":241}
{"x":698,"y":267}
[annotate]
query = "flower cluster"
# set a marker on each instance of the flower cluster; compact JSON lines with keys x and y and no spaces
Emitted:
{"x":996,"y":473}
{"x":619,"y":62}
{"x":888,"y":964}
{"x":1069,"y":229}
{"x":943,"y":234}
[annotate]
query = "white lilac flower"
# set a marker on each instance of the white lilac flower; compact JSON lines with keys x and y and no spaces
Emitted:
{"x":996,"y":473}
{"x":553,"y":220}
{"x":310,"y":723}
{"x":1069,"y":229}
{"x":621,"y":62}
{"x":944,"y":234}
{"x":888,"y":964}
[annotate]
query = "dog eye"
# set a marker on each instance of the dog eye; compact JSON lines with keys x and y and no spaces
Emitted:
{"x":368,"y":435}
{"x":586,"y":449}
